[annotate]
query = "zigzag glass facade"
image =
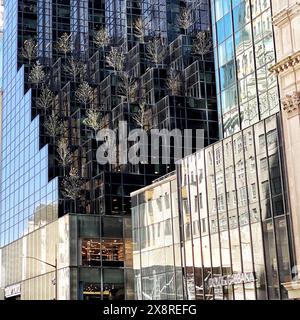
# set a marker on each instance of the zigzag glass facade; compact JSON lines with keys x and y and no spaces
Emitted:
{"x":244,"y":51}
{"x":27,"y":198}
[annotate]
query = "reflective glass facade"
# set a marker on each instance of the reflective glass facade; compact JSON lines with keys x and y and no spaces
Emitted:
{"x":234,"y":221}
{"x":235,"y":217}
{"x":244,"y":51}
{"x":27,"y":197}
{"x":1,"y":39}
{"x":156,"y":242}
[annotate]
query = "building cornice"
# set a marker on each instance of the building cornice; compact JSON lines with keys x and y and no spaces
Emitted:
{"x":286,"y":63}
{"x":285,"y":14}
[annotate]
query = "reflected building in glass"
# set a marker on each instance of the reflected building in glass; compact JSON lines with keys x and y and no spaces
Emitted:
{"x":244,"y":51}
{"x":236,"y":229}
{"x":230,"y":213}
{"x":156,"y":241}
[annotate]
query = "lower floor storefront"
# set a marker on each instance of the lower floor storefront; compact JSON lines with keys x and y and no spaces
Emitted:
{"x":77,"y":257}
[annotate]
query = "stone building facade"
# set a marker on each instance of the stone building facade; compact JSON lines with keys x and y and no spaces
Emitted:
{"x":286,"y":21}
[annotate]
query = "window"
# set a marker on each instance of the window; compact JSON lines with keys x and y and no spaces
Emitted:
{"x":241,"y":170}
{"x":200,"y":175}
{"x":265,"y":189}
{"x":221,"y":204}
{"x":234,"y":197}
{"x":196,"y":227}
{"x":201,"y":200}
{"x":196,"y":203}
{"x":167,"y":201}
{"x":252,"y":164}
{"x":254,"y":191}
{"x":203,"y":225}
{"x":272,"y":137}
{"x":228,"y":198}
{"x":159,"y":203}
{"x":185,"y":207}
{"x":218,"y":156}
{"x":109,"y":250}
{"x":263,"y":164}
{"x":150,"y":208}
{"x":90,"y":252}
{"x":243,"y":196}
{"x":210,"y":158}
{"x":262,"y":141}
{"x":112,"y":250}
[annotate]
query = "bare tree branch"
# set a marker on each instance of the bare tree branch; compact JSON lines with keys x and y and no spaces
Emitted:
{"x":156,"y":51}
{"x":65,"y":156}
{"x":37,"y":74}
{"x":45,"y":100}
{"x":72,"y":185}
{"x":84,"y":94}
{"x":143,"y":116}
{"x":93,"y":120}
{"x":116,"y":59}
{"x":174,"y":82}
{"x":53,"y":126}
{"x":64,"y":44}
{"x":29,"y":50}
{"x":202,"y":44}
{"x":185,"y":20}
{"x":139,"y":30}
{"x":101,"y":38}
{"x":128,"y":87}
{"x":73,"y":68}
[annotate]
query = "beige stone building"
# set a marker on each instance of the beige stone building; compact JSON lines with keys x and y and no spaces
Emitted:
{"x":286,"y":20}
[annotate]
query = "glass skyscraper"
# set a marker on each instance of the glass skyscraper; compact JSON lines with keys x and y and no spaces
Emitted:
{"x":233,"y":203}
{"x":72,"y":67}
{"x":244,"y":51}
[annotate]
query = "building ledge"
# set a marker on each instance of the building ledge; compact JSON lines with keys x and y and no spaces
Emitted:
{"x":286,"y":63}
{"x":285,"y":14}
{"x":293,"y":289}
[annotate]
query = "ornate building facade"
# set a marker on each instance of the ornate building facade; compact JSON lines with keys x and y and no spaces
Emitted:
{"x":286,"y":20}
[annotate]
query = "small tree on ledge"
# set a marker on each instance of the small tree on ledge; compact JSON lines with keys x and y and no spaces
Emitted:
{"x":128,"y":87}
{"x":185,"y":19}
{"x":156,"y":51}
{"x":139,"y":30}
{"x":64,"y":44}
{"x":143,"y":117}
{"x":72,"y":186}
{"x":116,"y":59}
{"x":202,"y":44}
{"x":65,"y":156}
{"x":74,"y":68}
{"x":174,"y":82}
{"x":53,"y":126}
{"x":45,"y":100}
{"x":101,"y":38}
{"x":93,"y":120}
{"x":37,"y":74}
{"x":84,"y":94}
{"x":29,"y":50}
